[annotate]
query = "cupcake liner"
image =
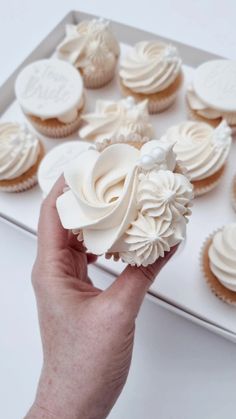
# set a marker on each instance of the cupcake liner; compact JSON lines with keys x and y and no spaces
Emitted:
{"x":233,"y":193}
{"x":209,"y":183}
{"x":97,"y":80}
{"x":216,"y":287}
{"x":54,"y":128}
{"x":205,"y":189}
{"x":160,"y":105}
{"x":21,"y":186}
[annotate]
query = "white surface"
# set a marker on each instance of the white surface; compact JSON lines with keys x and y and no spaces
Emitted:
{"x":193,"y":295}
{"x":179,"y":371}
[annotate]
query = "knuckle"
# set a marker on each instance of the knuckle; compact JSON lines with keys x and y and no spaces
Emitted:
{"x":149,"y":272}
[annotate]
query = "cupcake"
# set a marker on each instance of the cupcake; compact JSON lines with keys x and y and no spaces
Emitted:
{"x":233,"y":193}
{"x":20,"y":155}
{"x":122,"y":119}
{"x":152,"y":70}
{"x":50,"y":93}
{"x":211,"y":95}
{"x":92,"y":48}
{"x":203,"y":150}
{"x":54,"y":162}
{"x":219,"y":263}
{"x":126,"y":203}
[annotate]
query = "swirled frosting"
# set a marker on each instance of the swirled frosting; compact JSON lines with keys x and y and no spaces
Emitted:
{"x":204,"y":110}
{"x":150,"y":67}
{"x":19,"y":150}
{"x":113,"y":119}
{"x":107,"y":200}
{"x":222,"y":256}
{"x":148,"y":238}
{"x":202,"y":149}
{"x":164,"y":194}
{"x":90,"y":45}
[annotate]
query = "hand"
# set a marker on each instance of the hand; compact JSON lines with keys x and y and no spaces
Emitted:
{"x":87,"y":335}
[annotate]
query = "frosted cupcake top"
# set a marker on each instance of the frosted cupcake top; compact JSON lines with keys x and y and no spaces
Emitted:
{"x":127,"y":201}
{"x":212,"y":93}
{"x":150,"y":67}
{"x":50,"y":88}
{"x":113,"y":119}
{"x":91,"y":43}
{"x":202,"y":149}
{"x":19,"y":150}
{"x":222,"y":257}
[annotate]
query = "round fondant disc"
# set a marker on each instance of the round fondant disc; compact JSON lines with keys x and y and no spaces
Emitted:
{"x":215,"y":84}
{"x":49,"y":88}
{"x":53,"y":164}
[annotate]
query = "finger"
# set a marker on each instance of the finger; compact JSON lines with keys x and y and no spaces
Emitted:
{"x":91,"y":258}
{"x":131,"y":286}
{"x":51,"y":234}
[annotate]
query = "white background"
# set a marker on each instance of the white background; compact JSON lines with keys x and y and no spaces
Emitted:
{"x":179,"y":370}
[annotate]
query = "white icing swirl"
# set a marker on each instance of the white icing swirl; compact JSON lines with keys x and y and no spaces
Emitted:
{"x":222,"y":256}
{"x":19,"y":150}
{"x":204,"y":110}
{"x":164,"y":194}
{"x":112,"y":119}
{"x":148,"y":238}
{"x":90,"y":45}
{"x":150,"y":67}
{"x":202,"y":149}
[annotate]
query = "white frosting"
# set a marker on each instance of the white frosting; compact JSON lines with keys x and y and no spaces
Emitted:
{"x":150,"y":67}
{"x":113,"y":119}
{"x":55,"y":161}
{"x":202,"y":149}
{"x":103,"y":199}
{"x":148,"y":238}
{"x":222,"y":256}
{"x":162,"y":193}
{"x":19,"y":150}
{"x":90,"y":46}
{"x":157,"y":154}
{"x":204,"y":110}
{"x":50,"y":88}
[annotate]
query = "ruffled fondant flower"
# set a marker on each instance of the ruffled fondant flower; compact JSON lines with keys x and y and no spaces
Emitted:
{"x":164,"y":193}
{"x":148,"y":238}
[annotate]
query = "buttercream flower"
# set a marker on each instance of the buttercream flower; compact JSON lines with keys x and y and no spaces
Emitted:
{"x":102,"y":196}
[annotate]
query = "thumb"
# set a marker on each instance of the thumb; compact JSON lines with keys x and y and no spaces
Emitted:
{"x":131,"y":286}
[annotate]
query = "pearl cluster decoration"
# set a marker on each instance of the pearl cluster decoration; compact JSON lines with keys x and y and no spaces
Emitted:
{"x":222,"y":135}
{"x":155,"y":160}
{"x":170,"y":54}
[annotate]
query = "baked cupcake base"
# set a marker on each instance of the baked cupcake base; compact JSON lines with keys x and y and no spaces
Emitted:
{"x":233,"y":193}
{"x":53,"y":127}
{"x":216,"y":287}
{"x":193,"y":115}
{"x":157,"y":102}
{"x":25,"y":181}
{"x":206,"y":185}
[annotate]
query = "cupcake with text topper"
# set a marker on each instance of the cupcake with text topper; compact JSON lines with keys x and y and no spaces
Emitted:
{"x":50,"y":93}
{"x":203,"y":150}
{"x":20,"y":155}
{"x":219,"y":263}
{"x":125,"y":119}
{"x":211,"y":94}
{"x":127,"y":203}
{"x":92,"y":48}
{"x":152,"y":71}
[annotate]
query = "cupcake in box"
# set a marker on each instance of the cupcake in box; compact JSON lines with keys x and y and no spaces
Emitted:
{"x":20,"y":155}
{"x":122,"y":119}
{"x":50,"y":93}
{"x":203,"y":150}
{"x":219,"y":263}
{"x":152,"y":70}
{"x":233,"y":193}
{"x":93,"y":49}
{"x":211,"y":97}
{"x":127,"y":203}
